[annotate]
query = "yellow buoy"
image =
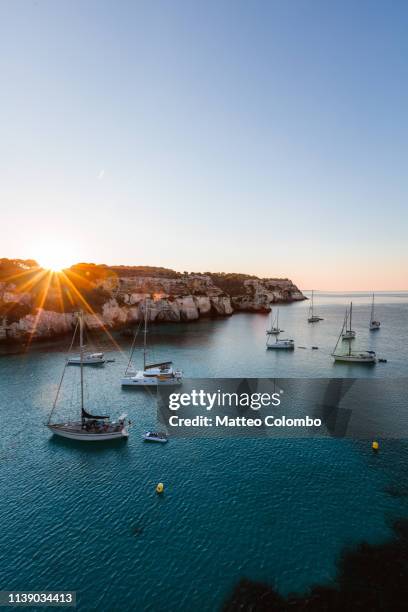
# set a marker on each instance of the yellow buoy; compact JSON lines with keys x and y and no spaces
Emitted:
{"x":160,"y":487}
{"x":375,"y":446}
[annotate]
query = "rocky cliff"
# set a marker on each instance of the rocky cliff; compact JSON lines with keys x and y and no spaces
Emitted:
{"x":115,"y":297}
{"x":260,"y":293}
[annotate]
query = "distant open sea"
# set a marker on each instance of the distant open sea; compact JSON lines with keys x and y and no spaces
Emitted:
{"x":87,"y":518}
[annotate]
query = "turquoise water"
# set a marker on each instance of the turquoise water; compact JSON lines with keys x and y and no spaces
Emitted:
{"x":235,"y":346}
{"x":87,"y":518}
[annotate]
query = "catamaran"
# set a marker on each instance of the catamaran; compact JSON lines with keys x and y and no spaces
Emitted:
{"x":313,"y":318}
{"x":274,"y":324}
{"x":152,"y":374}
{"x":367,"y":357}
{"x":374,"y":324}
{"x":90,"y":427}
{"x":348,"y":333}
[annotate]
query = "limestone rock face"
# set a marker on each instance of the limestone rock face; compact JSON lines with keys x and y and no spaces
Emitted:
{"x":42,"y":324}
{"x":259,"y":294}
{"x":184,"y":298}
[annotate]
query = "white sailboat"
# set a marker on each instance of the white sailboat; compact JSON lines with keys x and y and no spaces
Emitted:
{"x":280,"y":343}
{"x":87,"y":359}
{"x":364,"y":357}
{"x":152,"y":374}
{"x":313,"y":318}
{"x":90,"y":427}
{"x":274,"y":324}
{"x":374,"y":324}
{"x":348,"y":333}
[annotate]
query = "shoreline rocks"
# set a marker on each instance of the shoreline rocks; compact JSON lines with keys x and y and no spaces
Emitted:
{"x":184,"y":297}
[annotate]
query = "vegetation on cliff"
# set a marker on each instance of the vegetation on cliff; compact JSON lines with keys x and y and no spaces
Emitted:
{"x":232,"y":283}
{"x":114,"y":293}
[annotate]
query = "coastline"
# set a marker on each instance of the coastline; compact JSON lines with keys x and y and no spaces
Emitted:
{"x":37,"y":304}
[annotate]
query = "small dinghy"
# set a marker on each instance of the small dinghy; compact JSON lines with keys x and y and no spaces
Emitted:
{"x":155,"y":436}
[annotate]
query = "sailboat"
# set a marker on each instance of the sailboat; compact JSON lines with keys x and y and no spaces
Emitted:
{"x":87,"y":359}
{"x":274,"y":324}
{"x":90,"y":427}
{"x":313,"y":318}
{"x":348,"y":333}
{"x":374,"y":324}
{"x":152,"y":374}
{"x":280,"y":343}
{"x":364,"y":357}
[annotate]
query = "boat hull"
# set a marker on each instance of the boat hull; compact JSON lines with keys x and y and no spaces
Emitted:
{"x":363,"y":359}
{"x":349,"y":336}
{"x":92,"y":361}
{"x":86,"y":436}
{"x":149,"y":382}
{"x":281,"y":347}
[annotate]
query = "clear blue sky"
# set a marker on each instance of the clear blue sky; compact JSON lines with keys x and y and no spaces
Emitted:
{"x":264,"y":137}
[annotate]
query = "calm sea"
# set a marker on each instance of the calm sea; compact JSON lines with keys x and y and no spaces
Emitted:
{"x":87,"y":518}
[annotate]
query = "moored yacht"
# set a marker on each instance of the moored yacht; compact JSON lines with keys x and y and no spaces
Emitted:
{"x":87,"y":359}
{"x":374,"y":324}
{"x":274,"y":324}
{"x":356,"y":357}
{"x":352,"y":356}
{"x":313,"y":318}
{"x":348,"y":333}
{"x":281,"y":344}
{"x":90,"y":427}
{"x":154,"y":374}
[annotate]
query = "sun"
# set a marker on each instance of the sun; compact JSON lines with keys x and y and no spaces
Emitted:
{"x":54,"y":257}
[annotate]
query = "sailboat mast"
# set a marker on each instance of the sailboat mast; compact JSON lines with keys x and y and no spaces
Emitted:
{"x":311,"y":306}
{"x":145,"y":336}
{"x":341,"y":333}
{"x":351,"y":312}
{"x":81,"y":357}
{"x":372,"y":309}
